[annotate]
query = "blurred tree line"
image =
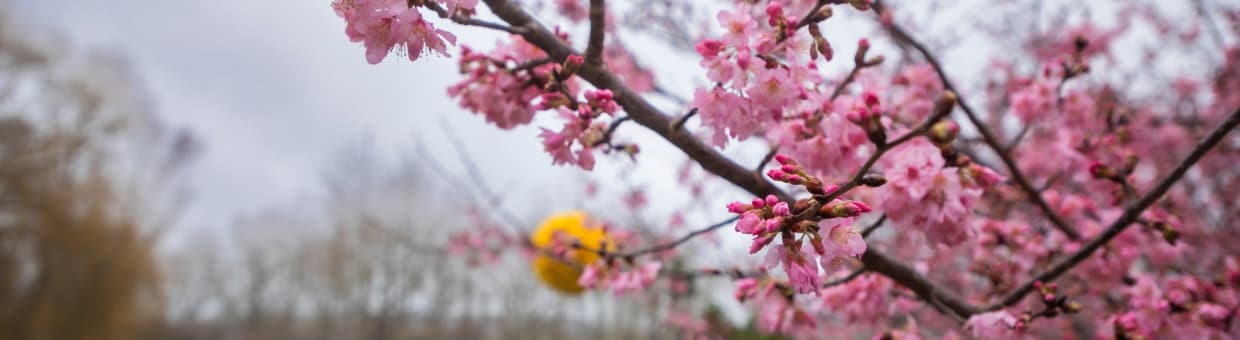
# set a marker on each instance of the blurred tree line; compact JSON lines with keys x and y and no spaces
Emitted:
{"x":89,"y":189}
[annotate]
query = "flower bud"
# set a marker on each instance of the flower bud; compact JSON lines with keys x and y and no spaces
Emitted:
{"x":1170,"y":235}
{"x":777,"y":175}
{"x":943,"y":106}
{"x":860,"y":5}
{"x":571,"y":65}
{"x":863,"y":46}
{"x":873,"y":180}
{"x":760,"y":242}
{"x":738,"y":207}
{"x":1102,"y":171}
{"x":824,"y":48}
{"x":816,"y":241}
{"x":843,"y":209}
{"x":1071,"y":307}
{"x":785,"y":159}
{"x":944,"y":132}
{"x":781,"y":209}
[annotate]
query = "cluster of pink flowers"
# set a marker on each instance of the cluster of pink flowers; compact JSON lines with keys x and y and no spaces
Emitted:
{"x":1184,"y":307}
{"x":761,"y":71}
{"x":922,"y":192}
{"x":492,"y":89}
{"x":777,"y":312}
{"x":603,"y":274}
{"x":829,"y":230}
{"x":384,"y":25}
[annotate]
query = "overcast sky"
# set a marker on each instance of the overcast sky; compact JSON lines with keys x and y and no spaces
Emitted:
{"x":275,"y":91}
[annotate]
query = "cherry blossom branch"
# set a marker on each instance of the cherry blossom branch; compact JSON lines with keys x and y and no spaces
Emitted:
{"x":1129,"y":216}
{"x":594,"y":50}
{"x":711,"y":160}
{"x":464,"y":20}
{"x":989,"y":137}
{"x":942,"y":108}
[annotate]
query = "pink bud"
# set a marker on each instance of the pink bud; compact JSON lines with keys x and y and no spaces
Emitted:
{"x":760,"y":242}
{"x":795,"y":180}
{"x":827,"y":190}
{"x":781,"y":209}
{"x":745,"y":288}
{"x":771,"y":200}
{"x":789,"y":168}
{"x":863,"y":43}
{"x":871,"y":99}
{"x":777,"y":175}
{"x":784,"y":159}
{"x":772,"y":225}
{"x":737,"y":207}
{"x":748,"y":224}
{"x":1048,"y":297}
{"x":774,"y":11}
{"x":575,"y":60}
{"x":709,"y":48}
{"x":758,"y":203}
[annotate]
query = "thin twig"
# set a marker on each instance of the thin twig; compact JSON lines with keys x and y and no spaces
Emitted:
{"x":852,"y":75}
{"x":873,"y":226}
{"x":766,"y":159}
{"x":1129,"y":216}
{"x":680,"y":122}
{"x":663,"y":246}
{"x":611,"y":129}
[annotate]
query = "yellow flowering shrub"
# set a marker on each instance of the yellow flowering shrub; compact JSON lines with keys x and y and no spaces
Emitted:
{"x":561,"y":273}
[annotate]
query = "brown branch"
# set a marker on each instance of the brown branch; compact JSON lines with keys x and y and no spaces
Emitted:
{"x":598,"y":26}
{"x":711,"y":160}
{"x":464,"y":20}
{"x":852,"y":75}
{"x":1129,"y":216}
{"x":901,"y":35}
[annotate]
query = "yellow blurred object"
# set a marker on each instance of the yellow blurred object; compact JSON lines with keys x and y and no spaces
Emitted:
{"x":565,"y":227}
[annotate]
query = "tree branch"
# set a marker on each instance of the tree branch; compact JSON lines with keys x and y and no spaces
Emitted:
{"x":463,"y":20}
{"x":598,"y":26}
{"x":1129,"y":216}
{"x":900,"y":34}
